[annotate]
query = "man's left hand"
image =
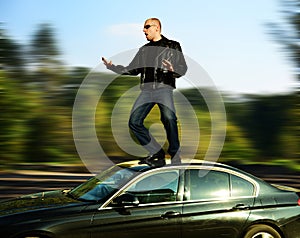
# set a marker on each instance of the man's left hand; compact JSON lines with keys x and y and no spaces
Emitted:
{"x":168,"y":65}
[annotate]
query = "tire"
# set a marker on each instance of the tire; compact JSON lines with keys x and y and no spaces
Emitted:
{"x":261,"y":231}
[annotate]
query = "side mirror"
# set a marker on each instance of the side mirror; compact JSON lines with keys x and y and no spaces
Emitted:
{"x":126,"y":199}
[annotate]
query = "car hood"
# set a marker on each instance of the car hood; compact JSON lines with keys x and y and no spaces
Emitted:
{"x":35,"y":201}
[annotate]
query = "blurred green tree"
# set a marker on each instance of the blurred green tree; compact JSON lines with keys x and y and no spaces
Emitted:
{"x":44,"y":56}
{"x":16,"y":105}
{"x":44,"y":49}
{"x":287,"y":34}
{"x":12,"y":58}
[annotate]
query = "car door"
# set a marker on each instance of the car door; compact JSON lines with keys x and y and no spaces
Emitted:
{"x":215,"y":205}
{"x":157,"y":215}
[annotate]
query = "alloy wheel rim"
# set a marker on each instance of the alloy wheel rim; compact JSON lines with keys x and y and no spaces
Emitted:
{"x":262,"y":235}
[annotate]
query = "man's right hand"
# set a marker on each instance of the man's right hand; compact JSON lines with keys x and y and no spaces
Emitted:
{"x":106,"y":62}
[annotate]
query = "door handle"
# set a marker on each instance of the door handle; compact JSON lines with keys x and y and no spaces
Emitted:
{"x":170,"y":214}
{"x":241,"y":206}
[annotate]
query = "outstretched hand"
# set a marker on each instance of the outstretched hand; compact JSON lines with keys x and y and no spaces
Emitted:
{"x":106,"y":62}
{"x":168,"y":65}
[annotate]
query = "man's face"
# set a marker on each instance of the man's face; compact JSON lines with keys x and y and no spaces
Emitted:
{"x":151,"y":30}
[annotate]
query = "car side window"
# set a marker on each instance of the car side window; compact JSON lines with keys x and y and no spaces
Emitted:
{"x":205,"y":184}
{"x":241,"y":187}
{"x":155,"y":188}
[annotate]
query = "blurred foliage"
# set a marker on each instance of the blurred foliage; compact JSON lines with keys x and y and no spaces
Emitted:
{"x":43,"y":47}
{"x":287,"y":32}
{"x":267,"y":122}
{"x":37,"y":93}
{"x":11,"y":54}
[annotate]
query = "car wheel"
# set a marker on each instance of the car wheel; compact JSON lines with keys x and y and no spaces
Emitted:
{"x":261,"y":231}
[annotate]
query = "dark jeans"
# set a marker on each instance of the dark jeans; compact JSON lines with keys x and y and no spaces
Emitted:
{"x":147,"y":99}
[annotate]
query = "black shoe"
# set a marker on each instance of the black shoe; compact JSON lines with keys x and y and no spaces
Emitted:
{"x":155,"y":160}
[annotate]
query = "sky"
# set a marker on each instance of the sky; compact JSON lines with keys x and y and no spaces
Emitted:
{"x":228,"y":38}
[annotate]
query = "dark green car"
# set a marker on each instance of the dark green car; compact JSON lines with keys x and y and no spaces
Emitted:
{"x":190,"y":200}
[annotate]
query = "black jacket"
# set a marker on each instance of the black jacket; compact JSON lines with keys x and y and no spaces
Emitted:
{"x":148,"y":63}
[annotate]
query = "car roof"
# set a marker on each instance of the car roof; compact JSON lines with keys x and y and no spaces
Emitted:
{"x":134,"y":164}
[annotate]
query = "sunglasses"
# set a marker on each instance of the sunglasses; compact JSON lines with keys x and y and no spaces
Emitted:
{"x":148,"y":26}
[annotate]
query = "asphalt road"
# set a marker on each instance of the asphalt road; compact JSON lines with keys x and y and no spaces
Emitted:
{"x":28,"y":179}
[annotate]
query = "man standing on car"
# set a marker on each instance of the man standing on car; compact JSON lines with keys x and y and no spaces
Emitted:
{"x":159,"y":63}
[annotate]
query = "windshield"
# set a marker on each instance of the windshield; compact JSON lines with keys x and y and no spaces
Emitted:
{"x":103,"y":185}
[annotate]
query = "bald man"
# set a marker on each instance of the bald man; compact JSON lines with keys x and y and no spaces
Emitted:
{"x":159,"y":63}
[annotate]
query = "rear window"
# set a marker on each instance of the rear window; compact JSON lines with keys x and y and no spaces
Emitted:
{"x":241,"y":187}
